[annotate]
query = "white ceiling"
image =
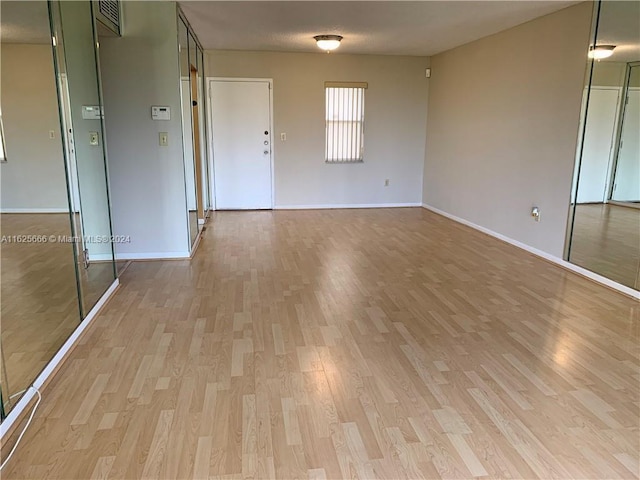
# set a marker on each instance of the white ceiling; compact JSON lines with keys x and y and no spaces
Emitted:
{"x":24,"y":22}
{"x":380,"y":27}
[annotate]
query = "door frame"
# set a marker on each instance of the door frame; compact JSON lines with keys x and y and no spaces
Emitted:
{"x":610,"y":160}
{"x":71,"y":167}
{"x":197,"y":142}
{"x":622,"y":107}
{"x":210,"y":145}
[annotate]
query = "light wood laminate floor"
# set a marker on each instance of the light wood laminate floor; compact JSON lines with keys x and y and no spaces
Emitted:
{"x":39,"y":294}
{"x":346,"y":344}
{"x":606,"y":240}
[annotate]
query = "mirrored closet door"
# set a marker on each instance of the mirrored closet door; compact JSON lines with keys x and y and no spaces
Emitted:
{"x":193,"y":128}
{"x":604,"y":234}
{"x":56,"y":252}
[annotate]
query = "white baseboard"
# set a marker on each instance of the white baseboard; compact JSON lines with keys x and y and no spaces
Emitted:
{"x":345,"y":206}
{"x":625,"y":204}
{"x":57,"y":359}
{"x":547,"y":256}
{"x":99,"y":257}
{"x":151,"y":256}
{"x":34,"y":210}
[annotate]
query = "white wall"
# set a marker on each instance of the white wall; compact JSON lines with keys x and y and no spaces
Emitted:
{"x":33,"y":179}
{"x":395,"y":123}
{"x":503,"y":124}
{"x":608,"y":74}
{"x":147,"y":181}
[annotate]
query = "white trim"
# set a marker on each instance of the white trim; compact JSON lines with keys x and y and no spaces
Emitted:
{"x":346,"y":206}
{"x":212,"y":183}
{"x":547,"y":256}
{"x":271,"y":137}
{"x":151,"y":255}
{"x":100,"y":257}
{"x":58,"y":358}
{"x":34,"y":210}
{"x":624,"y":204}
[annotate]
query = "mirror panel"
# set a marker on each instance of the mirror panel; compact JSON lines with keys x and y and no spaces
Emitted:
{"x":187,"y":130}
{"x":38,"y":285}
{"x":206,"y":194}
{"x":81,"y":110}
{"x":54,"y":196}
{"x":195,"y":125}
{"x":604,"y":228}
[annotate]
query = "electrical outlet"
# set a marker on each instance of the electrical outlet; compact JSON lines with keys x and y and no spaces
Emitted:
{"x":94,"y":139}
{"x":163,"y":139}
{"x":386,"y":182}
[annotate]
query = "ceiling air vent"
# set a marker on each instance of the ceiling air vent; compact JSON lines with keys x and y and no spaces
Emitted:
{"x":108,"y":13}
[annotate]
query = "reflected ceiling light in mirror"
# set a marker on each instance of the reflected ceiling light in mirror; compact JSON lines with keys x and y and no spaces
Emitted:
{"x":328,"y":42}
{"x":601,"y":51}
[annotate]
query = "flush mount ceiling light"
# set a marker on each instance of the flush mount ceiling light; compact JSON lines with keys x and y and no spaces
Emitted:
{"x":328,"y":42}
{"x":601,"y":51}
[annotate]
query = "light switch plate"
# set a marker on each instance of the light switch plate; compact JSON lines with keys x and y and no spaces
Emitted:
{"x":94,"y":139}
{"x":163,"y":139}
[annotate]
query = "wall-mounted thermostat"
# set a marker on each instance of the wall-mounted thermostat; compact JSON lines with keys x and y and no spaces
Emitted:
{"x":160,"y":113}
{"x":92,"y":112}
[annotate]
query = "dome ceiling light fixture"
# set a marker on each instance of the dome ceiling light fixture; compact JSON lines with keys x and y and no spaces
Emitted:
{"x":601,"y":51}
{"x":328,"y":42}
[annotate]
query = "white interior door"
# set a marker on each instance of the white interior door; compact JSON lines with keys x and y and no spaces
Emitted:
{"x":627,"y":180}
{"x":598,"y":144}
{"x":241,"y":129}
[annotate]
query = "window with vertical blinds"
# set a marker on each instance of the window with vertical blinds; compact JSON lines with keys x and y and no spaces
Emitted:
{"x":344,"y":105}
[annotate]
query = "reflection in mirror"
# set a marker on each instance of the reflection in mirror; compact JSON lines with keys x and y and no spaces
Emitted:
{"x":4,"y":385}
{"x":38,"y":286}
{"x":81,"y":113}
{"x":626,"y":182}
{"x":206,"y":194}
{"x":605,"y":228}
{"x":187,"y":130}
{"x":195,"y":123}
{"x":3,"y":157}
{"x":54,"y":195}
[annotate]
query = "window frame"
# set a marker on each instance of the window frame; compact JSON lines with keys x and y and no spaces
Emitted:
{"x":347,"y":139}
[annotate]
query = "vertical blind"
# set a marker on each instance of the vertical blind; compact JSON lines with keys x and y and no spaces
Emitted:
{"x":344,"y":122}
